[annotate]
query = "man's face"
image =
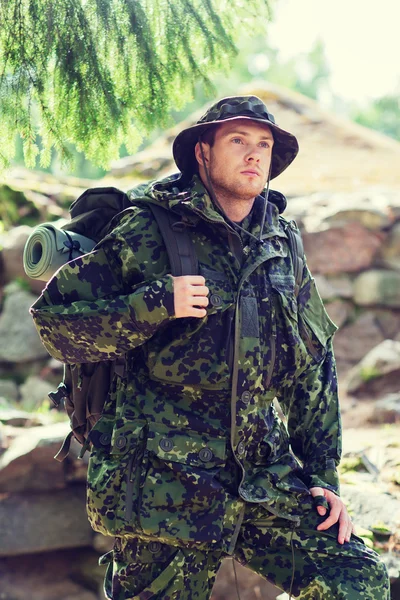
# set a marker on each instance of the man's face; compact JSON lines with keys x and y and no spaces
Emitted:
{"x":239,"y":160}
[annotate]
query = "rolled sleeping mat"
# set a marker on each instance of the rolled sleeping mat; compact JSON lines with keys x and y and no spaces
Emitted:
{"x":48,"y":248}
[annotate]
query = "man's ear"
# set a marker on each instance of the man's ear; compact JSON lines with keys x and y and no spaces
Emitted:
{"x":198,"y":153}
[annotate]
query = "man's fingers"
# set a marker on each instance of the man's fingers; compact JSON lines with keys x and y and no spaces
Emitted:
{"x":192,"y":279}
{"x":343,"y":529}
{"x":199,"y":290}
{"x":350,"y":529}
{"x":190,"y":296}
{"x":197,"y":312}
{"x":331,"y":520}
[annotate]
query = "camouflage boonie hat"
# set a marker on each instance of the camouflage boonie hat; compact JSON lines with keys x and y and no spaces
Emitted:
{"x":253,"y":108}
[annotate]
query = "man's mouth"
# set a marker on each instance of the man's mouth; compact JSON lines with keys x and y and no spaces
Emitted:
{"x":251,"y":173}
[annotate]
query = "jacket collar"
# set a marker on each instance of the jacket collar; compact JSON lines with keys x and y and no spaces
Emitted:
{"x":194,"y":200}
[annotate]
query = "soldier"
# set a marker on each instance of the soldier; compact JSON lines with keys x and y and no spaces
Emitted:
{"x":191,"y":462}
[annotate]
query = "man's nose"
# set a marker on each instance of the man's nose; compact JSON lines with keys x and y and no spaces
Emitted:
{"x":253,"y":154}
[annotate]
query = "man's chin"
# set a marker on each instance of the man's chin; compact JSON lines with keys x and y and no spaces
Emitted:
{"x":250,"y":190}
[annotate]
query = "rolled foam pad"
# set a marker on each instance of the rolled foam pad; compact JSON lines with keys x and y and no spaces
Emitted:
{"x":48,"y":248}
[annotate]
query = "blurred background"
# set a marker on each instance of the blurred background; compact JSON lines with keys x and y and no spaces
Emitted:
{"x":329,"y":72}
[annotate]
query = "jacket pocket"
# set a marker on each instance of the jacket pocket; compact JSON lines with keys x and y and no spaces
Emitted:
{"x":273,"y":445}
{"x":113,"y":476}
{"x":303,"y":322}
{"x":181,"y":497}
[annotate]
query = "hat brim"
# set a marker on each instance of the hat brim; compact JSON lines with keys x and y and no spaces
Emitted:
{"x":284,"y":151}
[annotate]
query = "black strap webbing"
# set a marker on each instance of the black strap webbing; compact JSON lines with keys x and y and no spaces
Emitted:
{"x":178,"y":243}
{"x":297,"y":252}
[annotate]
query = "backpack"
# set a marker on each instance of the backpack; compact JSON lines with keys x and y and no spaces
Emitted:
{"x":85,"y":386}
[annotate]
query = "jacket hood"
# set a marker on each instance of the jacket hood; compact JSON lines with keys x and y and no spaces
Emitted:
{"x":191,"y":198}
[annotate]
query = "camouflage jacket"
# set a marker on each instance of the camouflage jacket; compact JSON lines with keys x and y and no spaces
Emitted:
{"x":191,"y":434}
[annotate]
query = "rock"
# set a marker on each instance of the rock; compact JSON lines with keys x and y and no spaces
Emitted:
{"x":390,"y":250}
{"x":344,"y":249}
{"x":339,"y":311}
{"x":392,"y":563}
{"x":13,"y":243}
{"x":3,"y":438}
{"x":378,"y":371}
{"x":370,"y":504}
{"x":389,"y":321}
{"x":43,"y":522}
{"x":46,"y":576}
{"x":250,"y":584}
{"x":8,"y":390}
{"x":387,"y":409}
{"x":373,"y":219}
{"x":18,"y":418}
{"x":33,"y":392}
{"x":102,"y":544}
{"x":28,"y":464}
{"x":353,"y":341}
{"x":19,"y":339}
{"x":331,"y":288}
{"x":377,"y":287}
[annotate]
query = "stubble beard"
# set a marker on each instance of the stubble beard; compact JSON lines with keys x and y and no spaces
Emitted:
{"x":230,"y":191}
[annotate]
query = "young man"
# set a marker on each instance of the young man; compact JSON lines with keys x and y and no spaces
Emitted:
{"x":190,"y":461}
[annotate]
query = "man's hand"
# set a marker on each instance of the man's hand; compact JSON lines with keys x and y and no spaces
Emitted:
{"x":190,"y":294}
{"x":338,"y":512}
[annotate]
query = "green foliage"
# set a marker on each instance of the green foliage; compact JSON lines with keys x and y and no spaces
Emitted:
{"x":16,"y":209}
{"x":351,"y":463}
{"x":382,"y":114}
{"x":101,"y":73}
{"x":369,"y":373}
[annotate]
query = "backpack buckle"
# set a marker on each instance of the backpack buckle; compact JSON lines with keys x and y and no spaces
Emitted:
{"x":58,"y":396}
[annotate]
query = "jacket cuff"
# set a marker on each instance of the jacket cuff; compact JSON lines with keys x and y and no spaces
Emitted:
{"x":154,"y":304}
{"x":326,"y":477}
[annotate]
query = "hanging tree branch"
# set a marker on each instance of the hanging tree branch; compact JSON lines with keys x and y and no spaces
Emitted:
{"x":100,"y":73}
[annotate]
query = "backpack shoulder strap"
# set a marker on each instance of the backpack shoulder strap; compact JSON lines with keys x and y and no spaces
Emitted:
{"x":296,"y":250}
{"x":178,"y":242}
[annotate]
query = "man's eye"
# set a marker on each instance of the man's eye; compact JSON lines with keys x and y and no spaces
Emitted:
{"x":237,"y":140}
{"x":264,"y":144}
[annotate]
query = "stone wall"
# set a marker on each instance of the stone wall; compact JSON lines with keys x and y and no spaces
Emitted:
{"x":352,"y":243}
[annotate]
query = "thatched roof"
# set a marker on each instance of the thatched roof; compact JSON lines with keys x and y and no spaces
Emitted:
{"x":335,"y":154}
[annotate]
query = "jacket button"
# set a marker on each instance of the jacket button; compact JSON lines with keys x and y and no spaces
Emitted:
{"x":154,"y":547}
{"x":120,"y":442}
{"x":105,"y":439}
{"x":263,"y":450}
{"x":246,"y":396}
{"x":294,"y":306}
{"x":241,"y":448}
{"x":215,"y":300}
{"x":166,"y":444}
{"x":205,"y":454}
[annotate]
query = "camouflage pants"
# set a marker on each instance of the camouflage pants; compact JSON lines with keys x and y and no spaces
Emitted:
{"x":311,"y":563}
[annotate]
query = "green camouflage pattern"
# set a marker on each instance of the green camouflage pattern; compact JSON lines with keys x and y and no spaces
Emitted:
{"x":309,"y":563}
{"x":191,"y":437}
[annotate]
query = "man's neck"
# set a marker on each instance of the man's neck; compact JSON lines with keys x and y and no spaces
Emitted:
{"x":236,"y":210}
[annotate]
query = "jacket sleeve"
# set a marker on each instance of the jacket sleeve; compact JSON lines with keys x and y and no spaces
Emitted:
{"x":311,"y":405}
{"x":99,"y":306}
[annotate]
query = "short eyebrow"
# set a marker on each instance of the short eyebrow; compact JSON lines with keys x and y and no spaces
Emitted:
{"x":237,"y":131}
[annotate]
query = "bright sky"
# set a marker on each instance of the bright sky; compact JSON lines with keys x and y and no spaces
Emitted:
{"x":362,"y":41}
